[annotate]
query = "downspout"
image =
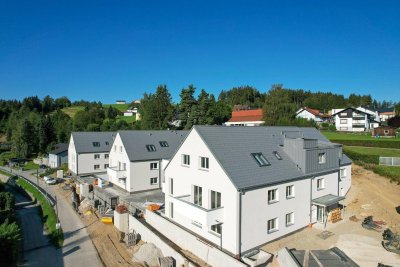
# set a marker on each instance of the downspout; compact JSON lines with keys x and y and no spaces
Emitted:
{"x":311,"y":181}
{"x":77,"y":162}
{"x":159,"y":173}
{"x":240,"y":225}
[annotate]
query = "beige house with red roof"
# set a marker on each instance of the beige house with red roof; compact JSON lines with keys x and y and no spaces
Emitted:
{"x":251,"y":117}
{"x":312,"y":114}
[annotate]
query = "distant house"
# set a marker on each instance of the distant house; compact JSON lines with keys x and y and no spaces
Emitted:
{"x":132,"y":111}
{"x":312,"y":114}
{"x":384,"y":131}
{"x":241,"y":187}
{"x":120,"y":102}
{"x":88,"y":152}
{"x":252,"y":117}
{"x":59,"y":155}
{"x":386,"y":113}
{"x":354,"y":120}
{"x":138,"y":158}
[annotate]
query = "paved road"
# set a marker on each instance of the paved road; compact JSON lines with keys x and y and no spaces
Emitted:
{"x":78,"y":249}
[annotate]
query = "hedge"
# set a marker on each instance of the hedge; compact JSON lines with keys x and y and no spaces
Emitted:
{"x":368,"y":143}
{"x":358,"y":157}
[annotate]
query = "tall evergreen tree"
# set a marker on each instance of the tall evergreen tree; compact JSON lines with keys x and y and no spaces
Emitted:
{"x":185,"y":107}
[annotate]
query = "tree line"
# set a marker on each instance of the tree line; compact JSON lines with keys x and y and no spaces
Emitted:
{"x":34,"y":125}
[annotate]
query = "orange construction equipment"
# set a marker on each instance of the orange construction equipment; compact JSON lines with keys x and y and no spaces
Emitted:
{"x":153,"y":207}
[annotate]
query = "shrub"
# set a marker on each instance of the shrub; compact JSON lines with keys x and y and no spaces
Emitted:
{"x":369,"y":143}
{"x":10,"y":237}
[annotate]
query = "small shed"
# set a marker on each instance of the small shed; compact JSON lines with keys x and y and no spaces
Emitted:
{"x":384,"y":131}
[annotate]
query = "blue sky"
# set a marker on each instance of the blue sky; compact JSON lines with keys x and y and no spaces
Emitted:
{"x":108,"y":50}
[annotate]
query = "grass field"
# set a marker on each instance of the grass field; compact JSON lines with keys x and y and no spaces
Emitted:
{"x":383,"y":152}
{"x":355,"y":136}
{"x":130,"y":119}
{"x":30,"y":166}
{"x":71,"y":111}
{"x":120,"y":107}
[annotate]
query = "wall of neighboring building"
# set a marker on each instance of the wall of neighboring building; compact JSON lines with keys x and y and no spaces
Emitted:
{"x":141,"y":174}
{"x":307,"y":115}
{"x":118,"y":159}
{"x":244,"y":123}
{"x":195,"y":218}
{"x":87,"y":162}
{"x":72,"y":157}
{"x":56,"y":161}
{"x":256,"y":211}
{"x":345,"y":180}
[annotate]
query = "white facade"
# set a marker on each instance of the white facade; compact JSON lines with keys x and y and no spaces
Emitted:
{"x":305,"y":114}
{"x":358,"y":122}
{"x":243,"y":215}
{"x":86,"y":163}
{"x":133,"y":176}
{"x":244,"y":123}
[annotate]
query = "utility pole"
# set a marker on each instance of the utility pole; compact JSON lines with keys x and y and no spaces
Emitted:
{"x":58,"y":221}
{"x":37,"y":176}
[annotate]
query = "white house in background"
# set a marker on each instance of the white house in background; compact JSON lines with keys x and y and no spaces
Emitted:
{"x":88,"y":152}
{"x":59,"y":155}
{"x":132,"y":112}
{"x":312,"y":114}
{"x":138,"y":158}
{"x":354,"y":120}
{"x":242,"y":187}
{"x":251,"y":117}
{"x":120,"y":102}
{"x":386,"y":113}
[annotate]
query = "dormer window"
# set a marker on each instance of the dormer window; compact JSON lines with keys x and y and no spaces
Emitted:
{"x":151,"y":148}
{"x":260,"y":159}
{"x":96,"y":144}
{"x":164,"y":144}
{"x":277,"y":155}
{"x":321,"y":158}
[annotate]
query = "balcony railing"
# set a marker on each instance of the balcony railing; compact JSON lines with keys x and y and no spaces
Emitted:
{"x":198,"y":214}
{"x":114,"y":172}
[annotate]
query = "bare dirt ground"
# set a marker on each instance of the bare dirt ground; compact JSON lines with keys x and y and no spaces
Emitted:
{"x":370,"y":194}
{"x":106,"y":240}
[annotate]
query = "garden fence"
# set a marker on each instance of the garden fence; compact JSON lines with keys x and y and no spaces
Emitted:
{"x":389,"y":161}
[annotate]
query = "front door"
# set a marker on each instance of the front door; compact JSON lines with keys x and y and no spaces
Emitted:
{"x":320,"y":213}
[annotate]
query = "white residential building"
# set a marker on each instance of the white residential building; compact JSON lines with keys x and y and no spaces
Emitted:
{"x":250,"y":117}
{"x":312,"y":114}
{"x":88,"y":152}
{"x":242,"y":187}
{"x":138,"y":158}
{"x":58,"y":156}
{"x":354,"y":120}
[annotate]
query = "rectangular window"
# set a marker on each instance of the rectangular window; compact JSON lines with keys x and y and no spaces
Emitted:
{"x":164,"y":144}
{"x":171,"y":186}
{"x":197,"y":195}
{"x":107,"y":143}
{"x":151,"y":148}
{"x":342,"y":173}
{"x":96,"y":144}
{"x":154,"y":166}
{"x":124,"y":166}
{"x":153,"y":180}
{"x":215,"y":199}
{"x":289,"y":219}
{"x":120,"y":149}
{"x":217,"y":228}
{"x":204,"y":164}
{"x":260,"y":159}
{"x":96,"y":167}
{"x":321,"y":158}
{"x":290,"y":191}
{"x":343,"y":114}
{"x":185,"y":159}
{"x":171,"y":209}
{"x":106,"y":166}
{"x":272,"y":195}
{"x":344,"y":129}
{"x":115,"y":148}
{"x":277,"y":155}
{"x":106,"y":156}
{"x":272,"y":225}
{"x":320,"y":183}
{"x":96,"y":156}
{"x":343,"y":121}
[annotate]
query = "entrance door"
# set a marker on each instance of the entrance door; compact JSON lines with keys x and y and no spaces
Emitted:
{"x":320,"y":213}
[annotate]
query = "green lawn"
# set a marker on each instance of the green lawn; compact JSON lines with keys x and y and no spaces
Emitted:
{"x":30,"y":166}
{"x":355,"y":136}
{"x":128,"y":119}
{"x":71,"y":111}
{"x":120,"y":107}
{"x":377,"y":151}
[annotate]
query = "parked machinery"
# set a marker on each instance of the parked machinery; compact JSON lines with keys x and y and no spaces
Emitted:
{"x":392,"y":243}
{"x":370,"y":224}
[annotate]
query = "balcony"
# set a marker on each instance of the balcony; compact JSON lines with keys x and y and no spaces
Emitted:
{"x":206,"y":217}
{"x":115,"y":173}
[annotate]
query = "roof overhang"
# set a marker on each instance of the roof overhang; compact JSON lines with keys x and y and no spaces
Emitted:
{"x":327,"y":200}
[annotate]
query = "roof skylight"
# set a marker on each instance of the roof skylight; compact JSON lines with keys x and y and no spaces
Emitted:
{"x":164,"y":144}
{"x":260,"y":159}
{"x":151,"y":148}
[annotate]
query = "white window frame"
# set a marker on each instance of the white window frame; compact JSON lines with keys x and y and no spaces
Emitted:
{"x":198,"y":195}
{"x":206,"y":163}
{"x":185,"y":160}
{"x":343,"y":173}
{"x":96,"y":167}
{"x":106,"y":156}
{"x":322,"y":158}
{"x":291,"y":189}
{"x":96,"y":156}
{"x":343,"y":114}
{"x":289,"y":216}
{"x":320,"y":183}
{"x":153,"y":180}
{"x":106,"y":166}
{"x":343,"y":121}
{"x":216,"y":229}
{"x":215,"y":199}
{"x":171,"y":186}
{"x":120,"y":149}
{"x":273,"y":193}
{"x":171,"y":210}
{"x":152,"y":167}
{"x":272,"y":225}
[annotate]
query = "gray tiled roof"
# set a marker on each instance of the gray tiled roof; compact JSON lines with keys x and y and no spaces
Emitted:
{"x":232,"y":146}
{"x":59,"y":148}
{"x":135,"y":143}
{"x":84,"y":141}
